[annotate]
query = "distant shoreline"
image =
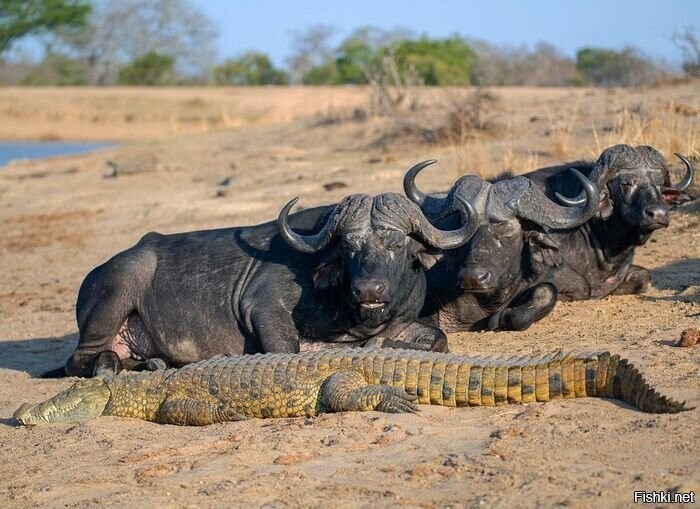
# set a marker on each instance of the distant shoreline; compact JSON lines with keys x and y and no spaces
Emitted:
{"x":13,"y":150}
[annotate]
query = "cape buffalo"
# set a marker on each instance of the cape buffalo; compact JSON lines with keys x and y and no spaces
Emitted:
{"x":637,"y":197}
{"x":589,"y":261}
{"x":176,"y":299}
{"x":491,"y":281}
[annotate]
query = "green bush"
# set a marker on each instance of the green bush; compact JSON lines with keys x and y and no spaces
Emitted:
{"x":437,"y":61}
{"x":607,"y":67}
{"x":58,"y":70}
{"x":446,"y":61}
{"x":251,"y":68}
{"x":151,"y":69}
{"x":326,"y":74}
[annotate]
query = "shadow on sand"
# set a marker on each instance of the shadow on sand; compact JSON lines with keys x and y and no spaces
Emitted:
{"x":683,"y":276}
{"x":38,"y":355}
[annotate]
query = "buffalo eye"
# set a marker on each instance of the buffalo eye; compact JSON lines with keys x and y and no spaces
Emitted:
{"x":350,"y":244}
{"x":395,"y":241}
{"x":507,"y":230}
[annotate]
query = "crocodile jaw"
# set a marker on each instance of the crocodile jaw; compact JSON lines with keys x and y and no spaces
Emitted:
{"x":86,"y":399}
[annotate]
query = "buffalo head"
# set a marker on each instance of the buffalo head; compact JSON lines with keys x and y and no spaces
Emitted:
{"x":376,"y":248}
{"x":637,"y":188}
{"x":491,"y":262}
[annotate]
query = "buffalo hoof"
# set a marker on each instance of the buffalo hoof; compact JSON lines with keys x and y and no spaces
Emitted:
{"x":107,"y":365}
{"x":156,"y":364}
{"x":494,"y":322}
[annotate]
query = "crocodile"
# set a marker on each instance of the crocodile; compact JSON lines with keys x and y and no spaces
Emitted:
{"x":295,"y":385}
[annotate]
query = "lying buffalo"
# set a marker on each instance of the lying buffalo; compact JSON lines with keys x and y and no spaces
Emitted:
{"x":589,"y":261}
{"x":491,"y":282}
{"x":637,"y":197}
{"x":176,"y":299}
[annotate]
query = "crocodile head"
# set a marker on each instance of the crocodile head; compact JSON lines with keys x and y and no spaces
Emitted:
{"x":86,"y":399}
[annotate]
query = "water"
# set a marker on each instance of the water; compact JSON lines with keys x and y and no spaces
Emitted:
{"x":11,"y":150}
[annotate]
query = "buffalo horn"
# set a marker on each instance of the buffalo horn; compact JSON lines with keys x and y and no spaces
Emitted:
{"x":304,"y":243}
{"x":535,"y":206}
{"x":689,"y":174}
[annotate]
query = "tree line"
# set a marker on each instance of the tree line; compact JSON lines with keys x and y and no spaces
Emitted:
{"x":170,"y":42}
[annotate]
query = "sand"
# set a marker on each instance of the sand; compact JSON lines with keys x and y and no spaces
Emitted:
{"x":61,"y":217}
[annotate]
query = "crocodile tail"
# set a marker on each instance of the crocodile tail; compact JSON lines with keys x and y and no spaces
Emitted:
{"x":621,"y":380}
{"x":555,"y":376}
{"x":602,"y":375}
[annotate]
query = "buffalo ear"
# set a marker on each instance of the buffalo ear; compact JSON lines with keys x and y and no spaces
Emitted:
{"x":543,"y":248}
{"x":429,"y":257}
{"x":328,"y":274}
{"x":674,"y":197}
{"x":605,"y":207}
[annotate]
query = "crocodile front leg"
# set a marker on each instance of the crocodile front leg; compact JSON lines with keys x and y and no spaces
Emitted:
{"x":347,"y":391}
{"x":193,"y":412}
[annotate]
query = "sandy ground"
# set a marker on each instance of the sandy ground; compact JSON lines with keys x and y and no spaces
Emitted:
{"x":61,"y":217}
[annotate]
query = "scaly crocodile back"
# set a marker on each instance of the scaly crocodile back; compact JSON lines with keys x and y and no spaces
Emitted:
{"x":435,"y":378}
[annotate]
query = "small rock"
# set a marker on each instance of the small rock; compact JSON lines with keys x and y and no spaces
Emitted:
{"x":336,"y":184}
{"x":329,"y":441}
{"x":689,"y":337}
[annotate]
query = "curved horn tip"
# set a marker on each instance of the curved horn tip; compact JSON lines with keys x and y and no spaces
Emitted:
{"x":409,"y":182}
{"x":581,"y":198}
{"x":472,"y":214}
{"x":689,"y":173}
{"x":291,"y":203}
{"x":578,"y":174}
{"x":571,"y":202}
{"x":418,"y":167}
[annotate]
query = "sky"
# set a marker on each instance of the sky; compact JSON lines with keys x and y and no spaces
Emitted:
{"x":265,"y":25}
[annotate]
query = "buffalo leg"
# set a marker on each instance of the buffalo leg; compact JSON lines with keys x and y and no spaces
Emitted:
{"x":156,"y":364}
{"x":274,"y":332}
{"x":637,"y":280}
{"x":98,"y":327}
{"x":536,"y":304}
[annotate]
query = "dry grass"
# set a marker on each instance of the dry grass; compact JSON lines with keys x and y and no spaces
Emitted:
{"x":134,"y":113}
{"x":561,"y":131}
{"x":665,"y":128}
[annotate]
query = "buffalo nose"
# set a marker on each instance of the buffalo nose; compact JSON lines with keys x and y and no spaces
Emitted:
{"x":369,"y":290}
{"x":477,"y":278}
{"x":655,"y":213}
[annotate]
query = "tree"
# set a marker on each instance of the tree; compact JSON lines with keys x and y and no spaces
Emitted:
{"x":364,"y":48}
{"x":19,"y":18}
{"x":609,"y":68}
{"x":437,"y":61}
{"x":310,"y":49}
{"x":689,"y":44}
{"x":521,"y":66}
{"x":57,"y":69}
{"x":249,"y":69}
{"x":151,"y":69}
{"x":121,"y":32}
